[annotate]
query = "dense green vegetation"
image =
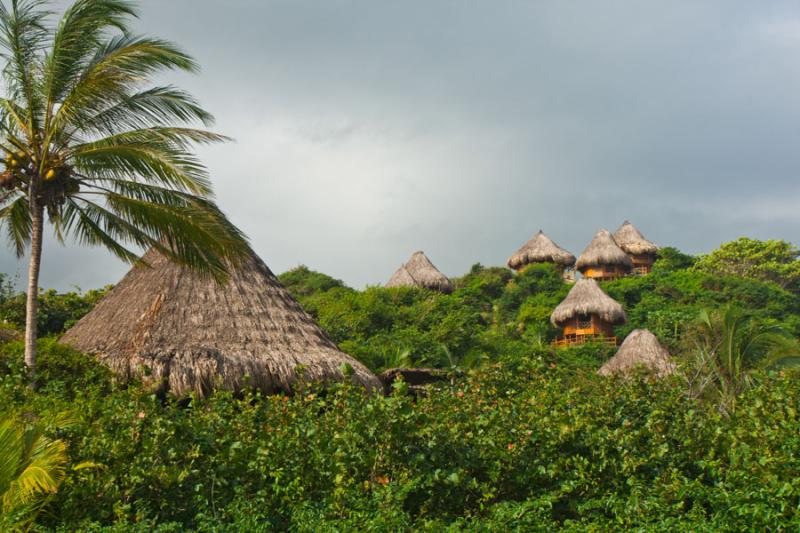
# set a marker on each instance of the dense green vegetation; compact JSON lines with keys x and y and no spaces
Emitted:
{"x":524,"y":437}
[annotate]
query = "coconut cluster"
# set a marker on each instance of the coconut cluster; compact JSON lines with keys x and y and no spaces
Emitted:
{"x":59,"y":181}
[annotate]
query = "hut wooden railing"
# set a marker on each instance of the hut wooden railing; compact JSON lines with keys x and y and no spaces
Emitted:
{"x":584,"y":339}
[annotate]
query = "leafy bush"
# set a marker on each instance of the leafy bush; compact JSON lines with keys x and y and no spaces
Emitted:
{"x":515,"y":445}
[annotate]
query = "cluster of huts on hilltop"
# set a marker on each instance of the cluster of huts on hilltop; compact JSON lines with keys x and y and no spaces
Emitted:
{"x":185,"y":333}
{"x":587,"y":313}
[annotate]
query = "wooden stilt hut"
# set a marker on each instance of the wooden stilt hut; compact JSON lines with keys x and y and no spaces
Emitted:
{"x":640,"y":349}
{"x":420,"y":272}
{"x":603,"y":259}
{"x":186,"y":333}
{"x":541,"y":249}
{"x":587,"y":313}
{"x":641,"y":251}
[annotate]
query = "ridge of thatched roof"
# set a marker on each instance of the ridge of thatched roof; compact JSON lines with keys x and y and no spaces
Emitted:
{"x":587,"y":298}
{"x":187,"y":333}
{"x":420,"y":272}
{"x":603,"y":251}
{"x":540,"y":249}
{"x":629,"y":238}
{"x":641,"y":348}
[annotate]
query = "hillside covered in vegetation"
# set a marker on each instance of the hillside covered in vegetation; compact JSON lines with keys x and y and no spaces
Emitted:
{"x":522,"y":436}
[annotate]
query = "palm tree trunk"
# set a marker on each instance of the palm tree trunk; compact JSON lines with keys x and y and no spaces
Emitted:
{"x":37,"y":221}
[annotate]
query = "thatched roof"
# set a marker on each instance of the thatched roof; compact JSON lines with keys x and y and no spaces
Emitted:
{"x":186,"y":333}
{"x":420,"y":272}
{"x":630,"y":239}
{"x":603,"y":251}
{"x":587,"y":298}
{"x":641,"y":348}
{"x":540,"y":249}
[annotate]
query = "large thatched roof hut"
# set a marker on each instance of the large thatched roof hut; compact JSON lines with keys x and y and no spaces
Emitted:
{"x":587,"y":313}
{"x":541,"y":249}
{"x":641,"y":348}
{"x":420,"y":272}
{"x":187,"y":333}
{"x":603,"y":259}
{"x":641,"y":251}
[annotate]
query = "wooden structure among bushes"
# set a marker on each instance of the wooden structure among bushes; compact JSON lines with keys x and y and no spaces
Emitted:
{"x":587,"y":314}
{"x":541,"y":249}
{"x":641,"y":349}
{"x":420,"y":272}
{"x":641,"y":251}
{"x":603,"y":259}
{"x":186,"y":333}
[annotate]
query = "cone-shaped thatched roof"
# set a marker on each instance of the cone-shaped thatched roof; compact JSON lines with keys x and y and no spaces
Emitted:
{"x":641,"y":348}
{"x":420,"y":272}
{"x":187,"y":333}
{"x":630,"y":239}
{"x":540,"y":249}
{"x":603,"y":251}
{"x":587,"y":298}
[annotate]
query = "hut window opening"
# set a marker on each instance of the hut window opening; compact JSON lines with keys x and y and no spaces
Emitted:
{"x":584,"y":322}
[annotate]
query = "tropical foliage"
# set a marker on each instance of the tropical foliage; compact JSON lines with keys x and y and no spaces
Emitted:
{"x":32,"y":467}
{"x":515,"y":446}
{"x":93,"y":145}
{"x":523,"y":437}
{"x":775,"y":261}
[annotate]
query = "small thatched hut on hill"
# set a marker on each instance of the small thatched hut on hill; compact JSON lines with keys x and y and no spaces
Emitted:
{"x":541,"y":249}
{"x":641,"y":251}
{"x":641,"y":348}
{"x":587,"y":313}
{"x":603,"y":259}
{"x":185,"y":333}
{"x":420,"y":272}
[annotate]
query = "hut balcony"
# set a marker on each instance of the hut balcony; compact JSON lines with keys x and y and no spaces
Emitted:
{"x":583,"y":329}
{"x":575,"y":340}
{"x":642,"y":264}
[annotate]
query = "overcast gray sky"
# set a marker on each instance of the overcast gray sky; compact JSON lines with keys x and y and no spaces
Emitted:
{"x":366,"y":130}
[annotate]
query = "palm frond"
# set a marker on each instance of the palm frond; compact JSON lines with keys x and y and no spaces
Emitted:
{"x":17,"y":220}
{"x":80,"y":32}
{"x":23,"y":35}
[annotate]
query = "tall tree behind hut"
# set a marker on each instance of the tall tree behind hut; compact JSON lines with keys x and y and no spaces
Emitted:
{"x":95,"y":149}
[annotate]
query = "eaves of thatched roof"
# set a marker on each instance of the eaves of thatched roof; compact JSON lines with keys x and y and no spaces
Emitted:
{"x":640,"y":349}
{"x":187,"y":333}
{"x":420,"y":272}
{"x":540,"y":249}
{"x":603,"y":251}
{"x":631,"y":240}
{"x":587,"y":298}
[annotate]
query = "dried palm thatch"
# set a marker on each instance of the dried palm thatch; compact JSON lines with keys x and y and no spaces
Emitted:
{"x":585,"y":299}
{"x":185,"y":333}
{"x":603,"y":251}
{"x":540,"y":249}
{"x":420,"y":272}
{"x":640,"y":349}
{"x":631,"y":240}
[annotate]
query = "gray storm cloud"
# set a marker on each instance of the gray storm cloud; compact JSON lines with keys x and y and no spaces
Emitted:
{"x":367,"y":130}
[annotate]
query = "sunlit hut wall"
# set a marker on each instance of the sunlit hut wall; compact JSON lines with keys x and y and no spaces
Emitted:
{"x":419,"y":271}
{"x":541,"y":249}
{"x":587,"y":313}
{"x":641,"y":251}
{"x":603,"y":259}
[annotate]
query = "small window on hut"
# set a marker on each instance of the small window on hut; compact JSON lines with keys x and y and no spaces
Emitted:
{"x":584,"y":322}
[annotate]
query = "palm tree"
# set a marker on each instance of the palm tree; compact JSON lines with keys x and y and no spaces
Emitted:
{"x":32,"y":467}
{"x":92,"y":145}
{"x":727,"y":347}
